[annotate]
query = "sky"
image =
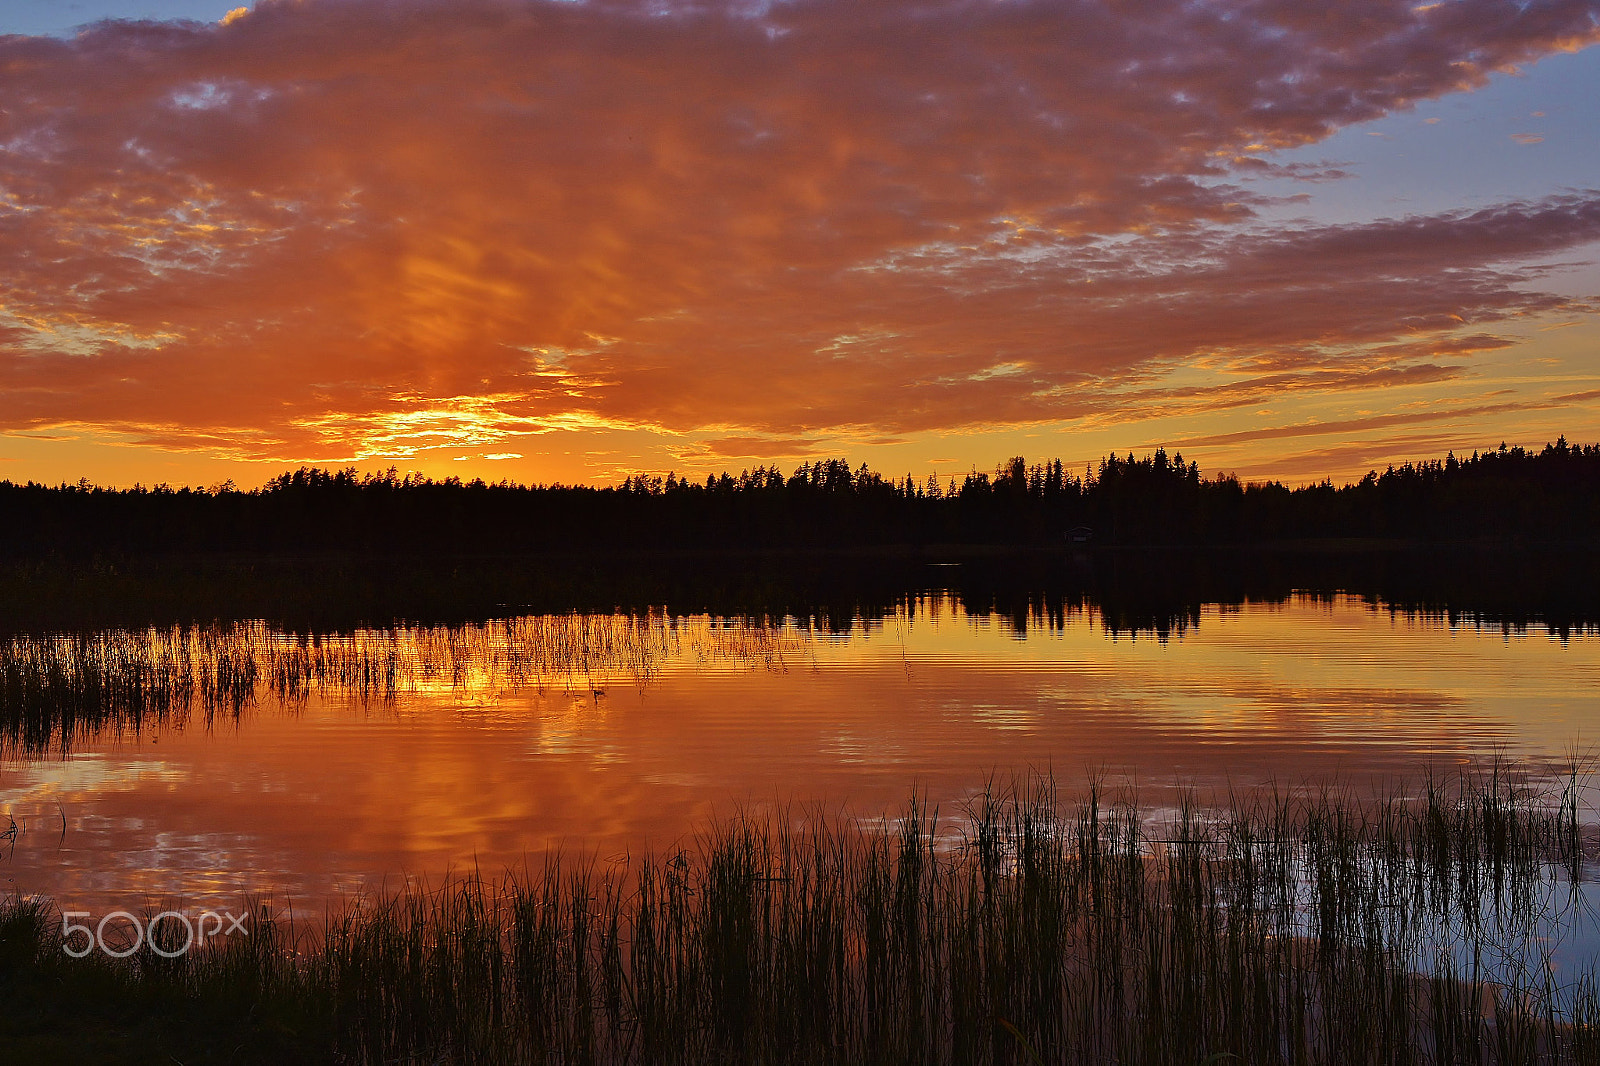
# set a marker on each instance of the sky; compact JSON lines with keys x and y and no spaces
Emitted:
{"x":578,"y":240}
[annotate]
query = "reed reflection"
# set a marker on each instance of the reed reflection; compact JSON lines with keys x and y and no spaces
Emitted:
{"x":59,"y":692}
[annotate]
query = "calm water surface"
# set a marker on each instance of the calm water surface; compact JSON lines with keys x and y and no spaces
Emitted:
{"x":490,"y":745}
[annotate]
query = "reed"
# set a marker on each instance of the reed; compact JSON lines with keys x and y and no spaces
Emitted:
{"x":1302,"y":926}
{"x":60,"y":691}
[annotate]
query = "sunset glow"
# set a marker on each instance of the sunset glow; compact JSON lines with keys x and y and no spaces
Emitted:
{"x":573,"y":241}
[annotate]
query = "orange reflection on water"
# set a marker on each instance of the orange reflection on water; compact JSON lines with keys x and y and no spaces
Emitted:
{"x":476,"y":763}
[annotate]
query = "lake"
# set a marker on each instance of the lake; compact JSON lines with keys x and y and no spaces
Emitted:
{"x":311,"y":766}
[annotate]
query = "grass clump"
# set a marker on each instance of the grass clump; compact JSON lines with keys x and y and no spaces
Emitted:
{"x":1279,"y":928}
{"x":59,"y":691}
{"x":250,"y":1002}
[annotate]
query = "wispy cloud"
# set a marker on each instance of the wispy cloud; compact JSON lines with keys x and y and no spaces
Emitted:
{"x":293,"y":232}
{"x":1348,"y":426}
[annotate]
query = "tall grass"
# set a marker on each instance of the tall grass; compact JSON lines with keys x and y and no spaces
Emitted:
{"x":57,"y":691}
{"x":1280,"y":928}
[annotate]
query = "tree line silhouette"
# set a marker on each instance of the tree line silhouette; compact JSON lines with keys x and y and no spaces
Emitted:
{"x":1552,"y":494}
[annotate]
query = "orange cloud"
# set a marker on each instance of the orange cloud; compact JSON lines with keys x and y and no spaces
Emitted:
{"x":344,"y":228}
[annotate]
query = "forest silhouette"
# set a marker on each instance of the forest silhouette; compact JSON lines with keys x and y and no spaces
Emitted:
{"x":1548,"y":495}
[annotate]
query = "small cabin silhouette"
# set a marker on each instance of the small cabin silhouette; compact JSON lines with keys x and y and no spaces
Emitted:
{"x":1079,"y":535}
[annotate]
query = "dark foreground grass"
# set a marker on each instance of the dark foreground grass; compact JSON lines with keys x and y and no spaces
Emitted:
{"x":1304,"y":928}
